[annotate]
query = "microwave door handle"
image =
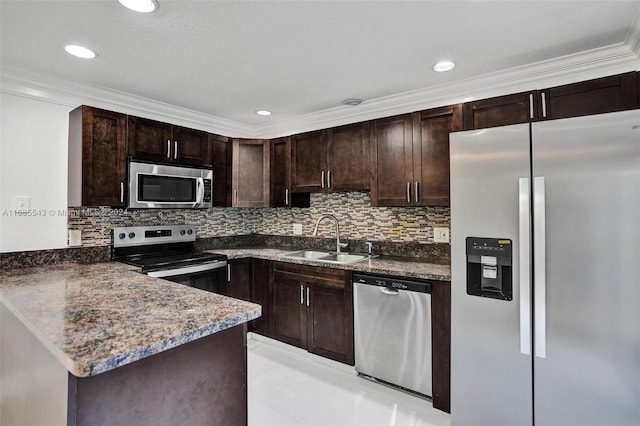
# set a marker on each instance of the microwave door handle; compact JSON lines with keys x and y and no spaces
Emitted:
{"x":200,"y":196}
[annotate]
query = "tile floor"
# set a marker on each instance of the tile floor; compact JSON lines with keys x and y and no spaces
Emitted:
{"x":288,"y":386}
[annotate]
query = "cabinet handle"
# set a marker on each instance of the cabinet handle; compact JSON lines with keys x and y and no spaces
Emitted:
{"x":122,"y":192}
{"x":228,"y":273}
{"x":301,"y":294}
{"x":408,"y":192}
{"x":322,"y":180}
{"x":531,"y":105}
{"x":329,"y":179}
{"x":544,"y":105}
{"x":417,"y":199}
{"x":168,"y":148}
{"x":286,"y":196}
{"x":307,"y":296}
{"x":175,"y":150}
{"x":235,"y":197}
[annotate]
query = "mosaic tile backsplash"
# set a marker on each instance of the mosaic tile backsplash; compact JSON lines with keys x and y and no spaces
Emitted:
{"x":358,"y":220}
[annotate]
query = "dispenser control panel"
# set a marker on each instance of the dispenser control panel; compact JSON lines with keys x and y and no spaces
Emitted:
{"x":489,"y":272}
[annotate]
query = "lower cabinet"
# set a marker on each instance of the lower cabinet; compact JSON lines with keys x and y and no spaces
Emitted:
{"x":249,"y":279}
{"x":312,"y":308}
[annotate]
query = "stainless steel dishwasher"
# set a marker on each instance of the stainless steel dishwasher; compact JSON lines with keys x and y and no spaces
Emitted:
{"x":392,"y":335}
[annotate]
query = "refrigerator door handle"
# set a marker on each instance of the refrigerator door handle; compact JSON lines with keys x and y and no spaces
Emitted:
{"x":524,"y":209}
{"x":539,"y":271}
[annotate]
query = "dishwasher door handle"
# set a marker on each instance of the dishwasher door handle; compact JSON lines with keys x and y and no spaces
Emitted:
{"x":389,"y":292}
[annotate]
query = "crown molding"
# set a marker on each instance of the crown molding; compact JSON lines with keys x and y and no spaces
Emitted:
{"x":613,"y":59}
{"x":53,"y":89}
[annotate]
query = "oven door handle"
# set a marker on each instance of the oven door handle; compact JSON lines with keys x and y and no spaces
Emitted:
{"x":200,"y":267}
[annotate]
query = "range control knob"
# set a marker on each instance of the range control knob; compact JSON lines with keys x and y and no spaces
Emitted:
{"x":121,"y":235}
{"x":190,"y":231}
{"x":132,"y":234}
{"x":182,"y":232}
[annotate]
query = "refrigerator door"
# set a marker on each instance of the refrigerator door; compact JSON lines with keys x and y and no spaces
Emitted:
{"x":490,"y":375}
{"x":587,"y":342}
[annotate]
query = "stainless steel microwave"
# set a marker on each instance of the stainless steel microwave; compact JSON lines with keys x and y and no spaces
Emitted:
{"x":168,"y":186}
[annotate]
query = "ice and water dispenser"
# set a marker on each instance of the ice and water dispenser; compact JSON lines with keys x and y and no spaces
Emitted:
{"x":489,"y":268}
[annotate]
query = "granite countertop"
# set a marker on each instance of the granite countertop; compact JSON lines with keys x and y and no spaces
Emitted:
{"x":97,"y":317}
{"x":403,"y":267}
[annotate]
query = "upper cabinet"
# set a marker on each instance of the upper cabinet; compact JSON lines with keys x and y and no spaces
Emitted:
{"x":335,"y":159}
{"x":97,"y":157}
{"x":157,"y":141}
{"x":280,"y":191}
{"x":598,"y":96}
{"x":410,"y":157}
{"x":220,"y":149}
{"x":250,"y":173}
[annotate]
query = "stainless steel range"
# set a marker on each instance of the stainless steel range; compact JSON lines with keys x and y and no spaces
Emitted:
{"x":168,"y":251}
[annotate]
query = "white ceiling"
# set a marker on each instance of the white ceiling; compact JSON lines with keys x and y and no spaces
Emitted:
{"x":297,"y":58}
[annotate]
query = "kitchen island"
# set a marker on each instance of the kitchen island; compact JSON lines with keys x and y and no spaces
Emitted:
{"x":102,"y":344}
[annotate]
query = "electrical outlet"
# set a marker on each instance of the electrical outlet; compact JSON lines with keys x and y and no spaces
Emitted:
{"x":21,"y":202}
{"x":75,"y":237}
{"x":440,"y":235}
{"x":297,"y":229}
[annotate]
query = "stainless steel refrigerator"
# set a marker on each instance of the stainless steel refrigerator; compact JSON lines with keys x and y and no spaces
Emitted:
{"x":545,"y":316}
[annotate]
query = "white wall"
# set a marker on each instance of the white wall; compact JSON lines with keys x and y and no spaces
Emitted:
{"x":33,"y":160}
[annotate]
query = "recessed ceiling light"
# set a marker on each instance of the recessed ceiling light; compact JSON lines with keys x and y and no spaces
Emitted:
{"x":79,"y":51}
{"x":144,"y":6}
{"x":263,"y":112}
{"x":352,"y":101}
{"x":443,"y":66}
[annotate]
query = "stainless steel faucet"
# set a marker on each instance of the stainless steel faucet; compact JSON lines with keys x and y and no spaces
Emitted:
{"x":330,"y":216}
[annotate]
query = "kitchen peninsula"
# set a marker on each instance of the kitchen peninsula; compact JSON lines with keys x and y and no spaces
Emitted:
{"x":102,"y":344}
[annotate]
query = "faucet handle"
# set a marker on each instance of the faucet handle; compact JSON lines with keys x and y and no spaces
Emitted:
{"x":369,"y":246}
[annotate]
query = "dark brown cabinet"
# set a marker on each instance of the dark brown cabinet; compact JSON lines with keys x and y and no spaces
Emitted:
{"x":157,"y":141}
{"x":441,"y":344}
{"x":250,"y":279}
{"x":220,"y":149}
{"x":597,"y":96}
{"x":335,"y":159}
{"x":97,"y":157}
{"x":280,"y":191}
{"x":410,"y":157}
{"x":250,"y":173}
{"x":312,"y":308}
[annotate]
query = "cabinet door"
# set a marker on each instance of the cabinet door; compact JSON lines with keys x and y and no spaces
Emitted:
{"x":280,"y":172}
{"x":500,"y":111}
{"x":309,"y":161}
{"x":239,"y":279}
{"x":391,"y":160}
{"x":260,"y":292}
{"x":149,"y":139}
{"x":103,"y":156}
{"x":441,"y":344}
{"x":250,"y":173}
{"x":330,"y":320}
{"x":288,"y":310}
{"x":221,"y":160}
{"x":431,"y":130}
{"x":190,"y":146}
{"x":349,"y":164}
{"x":598,"y":96}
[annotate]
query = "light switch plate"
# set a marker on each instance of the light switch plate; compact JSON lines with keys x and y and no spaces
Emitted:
{"x":440,"y":235}
{"x":297,"y":229}
{"x":75,"y":237}
{"x":22,"y":202}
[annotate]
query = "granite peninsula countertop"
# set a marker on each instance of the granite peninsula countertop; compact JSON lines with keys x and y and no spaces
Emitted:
{"x":396,"y":266}
{"x":97,"y":317}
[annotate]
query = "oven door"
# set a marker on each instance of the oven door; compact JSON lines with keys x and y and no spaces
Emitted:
{"x":153,"y":185}
{"x":210,"y":276}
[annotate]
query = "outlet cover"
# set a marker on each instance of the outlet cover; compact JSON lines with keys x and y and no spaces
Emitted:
{"x":297,"y":229}
{"x":75,"y":237}
{"x":440,"y":235}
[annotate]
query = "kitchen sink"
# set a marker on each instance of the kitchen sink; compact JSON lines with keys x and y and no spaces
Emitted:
{"x":326,"y":256}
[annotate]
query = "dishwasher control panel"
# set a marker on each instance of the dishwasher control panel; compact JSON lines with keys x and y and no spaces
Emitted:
{"x":393,"y":283}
